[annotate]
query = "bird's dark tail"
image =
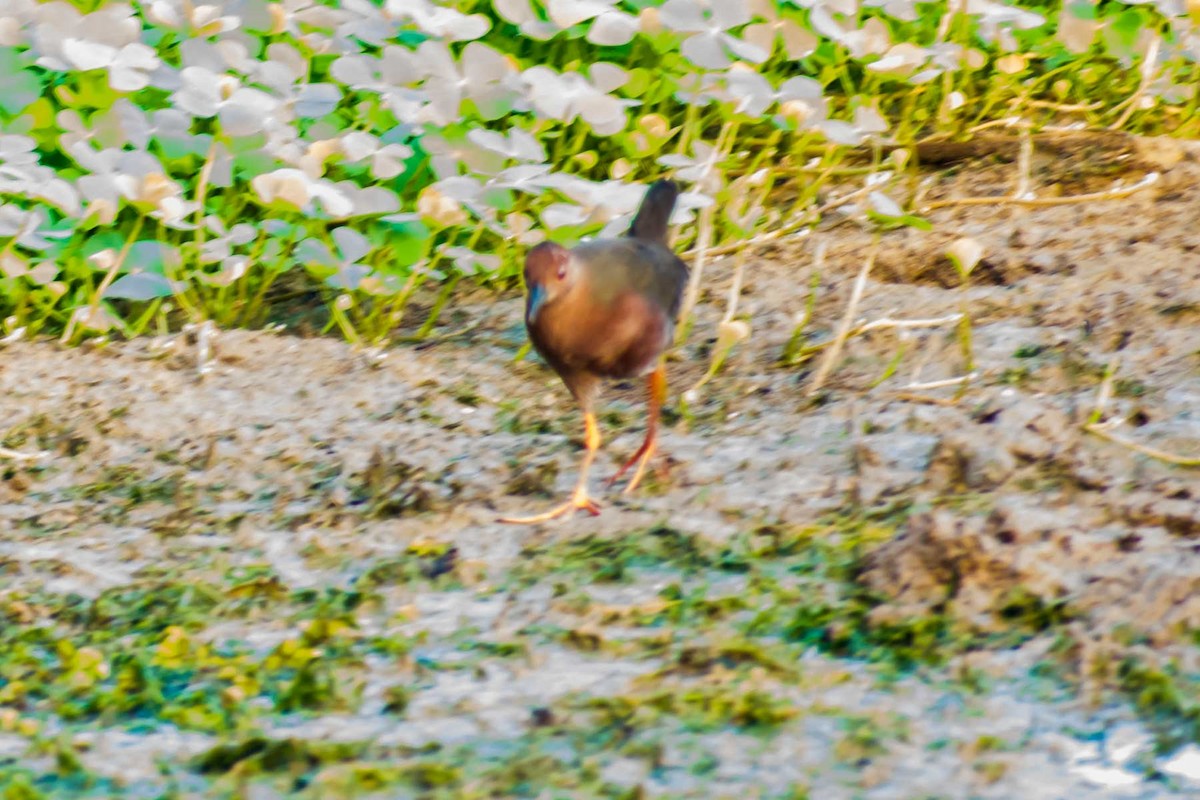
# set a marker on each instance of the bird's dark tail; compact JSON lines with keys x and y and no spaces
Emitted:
{"x":652,"y":218}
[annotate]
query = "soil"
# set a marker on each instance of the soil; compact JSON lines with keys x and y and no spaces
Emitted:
{"x":998,"y":510}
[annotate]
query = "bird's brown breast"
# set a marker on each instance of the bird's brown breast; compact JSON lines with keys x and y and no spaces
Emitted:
{"x":616,"y":317}
{"x":620,"y":339}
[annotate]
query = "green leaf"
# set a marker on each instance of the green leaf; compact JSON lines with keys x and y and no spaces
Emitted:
{"x":94,"y":91}
{"x":18,"y":87}
{"x":408,"y":243}
{"x":640,"y":81}
{"x":1121,"y":34}
{"x":913,"y":221}
{"x":888,"y":222}
{"x":139,"y":286}
{"x":1083,"y":10}
{"x":150,"y":255}
{"x":41,"y":114}
{"x":178,"y":148}
{"x":412,"y":38}
{"x":251,"y":163}
{"x":108,"y":240}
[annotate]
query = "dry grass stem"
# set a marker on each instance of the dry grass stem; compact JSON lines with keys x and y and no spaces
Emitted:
{"x":835,"y":348}
{"x":692,"y":295}
{"x":1153,"y":452}
{"x":913,"y":397}
{"x":17,"y":455}
{"x":807,"y":218}
{"x":1067,"y":108}
{"x":704,"y":238}
{"x":1096,"y":426}
{"x":1105,"y":392}
{"x":205,"y":333}
{"x":890,"y":324}
{"x":915,"y":387}
{"x":1148,"y":75}
{"x":905,"y":324}
{"x":729,"y":332}
{"x":1024,"y":164}
{"x":109,"y":276}
{"x":735,"y":286}
{"x":1035,"y":202}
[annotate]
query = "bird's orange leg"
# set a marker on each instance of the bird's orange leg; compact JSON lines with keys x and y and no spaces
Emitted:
{"x":657,"y":385}
{"x":579,"y":498}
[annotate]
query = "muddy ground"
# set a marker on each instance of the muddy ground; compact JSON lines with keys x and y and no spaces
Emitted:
{"x":287,"y":577}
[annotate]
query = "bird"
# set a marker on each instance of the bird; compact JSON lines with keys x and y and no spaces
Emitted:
{"x":606,"y":308}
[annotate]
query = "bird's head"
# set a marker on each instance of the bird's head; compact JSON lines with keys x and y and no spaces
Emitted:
{"x":549,"y":272}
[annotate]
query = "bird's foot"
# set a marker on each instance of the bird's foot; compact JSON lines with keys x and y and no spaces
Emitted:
{"x":641,"y":458}
{"x":579,"y":502}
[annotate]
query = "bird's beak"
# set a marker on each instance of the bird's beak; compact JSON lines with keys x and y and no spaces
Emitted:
{"x":537,"y":296}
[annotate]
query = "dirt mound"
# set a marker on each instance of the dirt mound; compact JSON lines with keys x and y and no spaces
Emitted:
{"x":1022,"y":558}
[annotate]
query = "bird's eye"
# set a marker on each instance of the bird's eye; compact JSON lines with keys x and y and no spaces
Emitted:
{"x":562,"y":272}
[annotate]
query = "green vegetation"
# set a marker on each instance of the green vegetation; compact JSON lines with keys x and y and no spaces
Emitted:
{"x":167,"y":162}
{"x":239,"y":657}
{"x":329,"y":166}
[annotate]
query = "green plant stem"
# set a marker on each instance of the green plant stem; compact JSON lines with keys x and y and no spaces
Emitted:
{"x":436,"y":312}
{"x":791,"y":350}
{"x":892,"y":365}
{"x":343,"y":322}
{"x":109,"y":277}
{"x":139,"y":326}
